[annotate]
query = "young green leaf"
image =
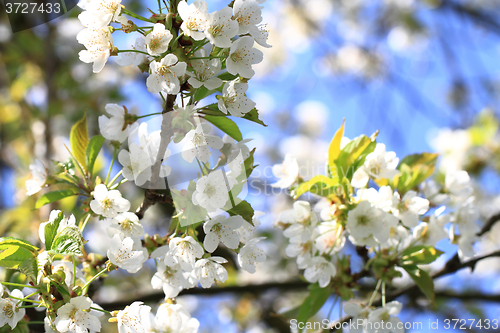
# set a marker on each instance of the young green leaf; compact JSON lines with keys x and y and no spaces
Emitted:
{"x":313,"y":303}
{"x":420,"y":255}
{"x":53,"y":196}
{"x":226,"y":125}
{"x":253,"y":115}
{"x":50,"y":230}
{"x":93,"y":149}
{"x":422,"y":279}
{"x":320,"y":185}
{"x":334,"y":149}
{"x":244,"y":209}
{"x":12,"y":256}
{"x":18,"y":242}
{"x":79,"y":139}
{"x":68,"y":242}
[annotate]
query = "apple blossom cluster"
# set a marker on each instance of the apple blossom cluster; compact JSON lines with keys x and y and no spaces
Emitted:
{"x":389,"y":206}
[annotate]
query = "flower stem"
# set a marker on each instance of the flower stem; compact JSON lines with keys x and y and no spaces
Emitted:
{"x":136,"y":51}
{"x":115,"y":178}
{"x":375,"y":293}
{"x":111,"y":165}
{"x":383,"y":294}
{"x":86,"y":286}
{"x":24,"y":299}
{"x":102,"y":310}
{"x":35,"y":323}
{"x":134,"y":15}
{"x":29,"y":306}
{"x":149,"y":115}
{"x":82,"y":225}
{"x":15,"y":284}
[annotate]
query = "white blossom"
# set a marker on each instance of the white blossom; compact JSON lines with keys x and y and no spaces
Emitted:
{"x":234,"y":100}
{"x":236,"y":147}
{"x":126,"y":254}
{"x":247,"y":229}
{"x":106,"y":10}
{"x":211,"y":191}
{"x":183,"y":251}
{"x":221,"y":27}
{"x":242,"y":56}
{"x":157,"y":40}
{"x":195,"y":18}
{"x":302,"y":250}
{"x":10,"y":313}
{"x":116,"y":127}
{"x":250,"y":254}
{"x":198,"y":143}
{"x":37,"y":179}
{"x":260,"y":34}
{"x":458,"y":183}
{"x":432,"y":232}
{"x":378,"y":164}
{"x":409,"y":208}
{"x":359,"y":316}
{"x":209,"y":270}
{"x":134,"y":58}
{"x":165,"y":75}
{"x":287,"y":172}
{"x":205,"y":71}
{"x":248,"y":14}
{"x":99,"y":44}
{"x":75,"y":317}
{"x":173,"y":318}
{"x":300,"y":222}
{"x":330,"y":237}
{"x":365,"y":221}
{"x":126,"y":225}
{"x":136,"y":164}
{"x":320,"y":270}
{"x":108,"y":203}
{"x":385,"y":314}
{"x":69,"y":271}
{"x":222,"y":230}
{"x":169,"y":278}
{"x":132,"y":318}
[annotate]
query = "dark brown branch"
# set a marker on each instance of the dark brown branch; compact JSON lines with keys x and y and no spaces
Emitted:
{"x":251,"y":288}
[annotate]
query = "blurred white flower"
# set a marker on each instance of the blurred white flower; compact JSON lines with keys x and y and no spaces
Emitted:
{"x":37,"y":179}
{"x":133,"y":58}
{"x":366,"y":220}
{"x":378,"y":164}
{"x":169,"y":278}
{"x":379,"y":319}
{"x":287,"y":172}
{"x":320,"y":270}
{"x":173,"y":318}
{"x":126,"y":225}
{"x":299,"y":221}
{"x":205,"y":71}
{"x":409,"y":208}
{"x":250,"y":254}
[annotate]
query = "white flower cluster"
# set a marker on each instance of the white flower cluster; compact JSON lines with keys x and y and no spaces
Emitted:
{"x":382,"y":319}
{"x":184,"y":263}
{"x":378,"y":217}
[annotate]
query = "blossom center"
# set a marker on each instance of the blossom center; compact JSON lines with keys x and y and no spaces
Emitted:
{"x":107,"y":203}
{"x":210,"y":190}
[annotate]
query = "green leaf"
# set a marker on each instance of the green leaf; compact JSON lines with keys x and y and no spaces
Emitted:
{"x":353,"y":155}
{"x":12,"y":256}
{"x":79,"y":139}
{"x":253,"y":115}
{"x":93,"y":149}
{"x":422,"y":279}
{"x":249,"y":166}
{"x":53,"y":196}
{"x":212,"y":110}
{"x":226,"y":125}
{"x":244,"y":209}
{"x":420,"y":255}
{"x":313,"y":303}
{"x":19,"y":242}
{"x":226,"y":76}
{"x":68,"y":242}
{"x":320,"y":185}
{"x":30,"y":269}
{"x":334,"y":148}
{"x":50,"y":230}
{"x":414,"y":169}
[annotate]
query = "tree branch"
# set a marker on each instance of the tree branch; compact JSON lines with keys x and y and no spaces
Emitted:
{"x":251,"y":288}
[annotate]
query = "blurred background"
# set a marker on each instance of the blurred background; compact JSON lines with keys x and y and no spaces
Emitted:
{"x":425,"y":73}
